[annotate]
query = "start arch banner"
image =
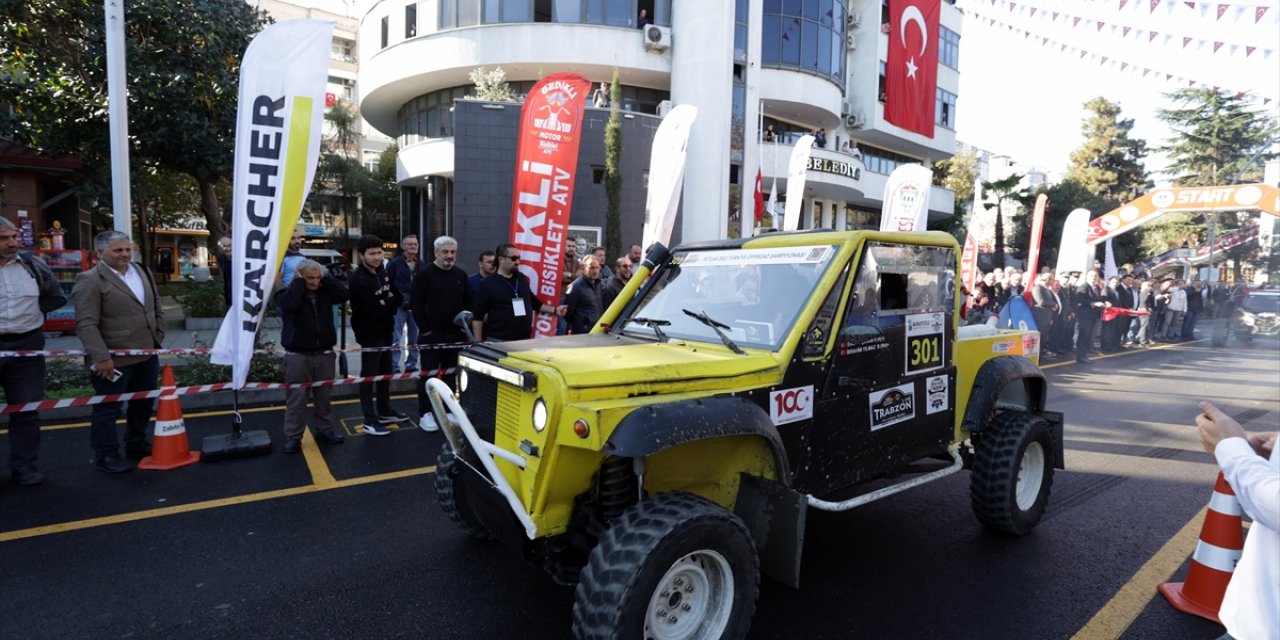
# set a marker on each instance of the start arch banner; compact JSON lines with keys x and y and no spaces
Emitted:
{"x":1261,"y":197}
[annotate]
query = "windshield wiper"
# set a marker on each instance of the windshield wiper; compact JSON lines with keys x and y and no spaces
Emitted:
{"x":656,"y":325}
{"x":717,"y":326}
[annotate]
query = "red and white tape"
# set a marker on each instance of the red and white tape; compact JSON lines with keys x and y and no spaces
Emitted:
{"x":50,"y":353}
{"x":84,"y":401}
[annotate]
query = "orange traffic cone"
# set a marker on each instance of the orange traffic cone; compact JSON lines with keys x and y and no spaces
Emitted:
{"x":169,"y":450}
{"x":1215,"y":557}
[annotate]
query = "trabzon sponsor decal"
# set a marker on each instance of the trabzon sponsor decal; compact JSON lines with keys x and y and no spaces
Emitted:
{"x":891,"y":406}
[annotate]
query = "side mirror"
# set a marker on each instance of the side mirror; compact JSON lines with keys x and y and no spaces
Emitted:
{"x":463,"y":319}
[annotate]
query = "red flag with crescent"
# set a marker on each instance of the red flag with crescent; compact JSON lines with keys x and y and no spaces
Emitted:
{"x":911,"y":71}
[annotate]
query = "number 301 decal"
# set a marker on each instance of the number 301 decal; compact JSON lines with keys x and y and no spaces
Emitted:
{"x":925,"y":342}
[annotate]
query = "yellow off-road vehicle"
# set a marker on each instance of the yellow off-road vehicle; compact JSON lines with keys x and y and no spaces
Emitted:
{"x":665,"y":460}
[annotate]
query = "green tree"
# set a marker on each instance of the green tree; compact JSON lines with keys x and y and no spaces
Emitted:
{"x":957,"y":174}
{"x":1006,"y":189}
{"x":613,"y":172}
{"x":1218,"y":140}
{"x":491,"y":84}
{"x":183,"y":59}
{"x":1109,"y":161}
{"x":340,"y":176}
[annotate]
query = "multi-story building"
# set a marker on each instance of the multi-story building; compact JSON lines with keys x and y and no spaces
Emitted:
{"x":792,"y":65}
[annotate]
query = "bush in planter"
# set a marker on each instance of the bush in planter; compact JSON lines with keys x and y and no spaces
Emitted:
{"x":198,"y":370}
{"x":202,"y":299}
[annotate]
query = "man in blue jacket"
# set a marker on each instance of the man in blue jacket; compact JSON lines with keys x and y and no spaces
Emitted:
{"x":402,"y":269}
{"x":306,"y":307}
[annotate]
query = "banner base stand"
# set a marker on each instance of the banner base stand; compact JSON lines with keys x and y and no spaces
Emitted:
{"x":228,"y":447}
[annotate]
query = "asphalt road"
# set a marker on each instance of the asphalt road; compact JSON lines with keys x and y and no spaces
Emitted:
{"x":347,"y":542}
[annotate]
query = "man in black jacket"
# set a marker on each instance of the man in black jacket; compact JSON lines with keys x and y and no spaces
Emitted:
{"x":306,"y":308}
{"x":1090,"y":301}
{"x":585,"y":299}
{"x":505,"y":303}
{"x":439,"y":292}
{"x":374,"y":301}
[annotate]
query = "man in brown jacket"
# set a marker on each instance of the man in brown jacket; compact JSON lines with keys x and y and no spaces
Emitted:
{"x":117,"y":308}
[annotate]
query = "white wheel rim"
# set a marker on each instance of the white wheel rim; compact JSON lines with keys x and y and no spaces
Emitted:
{"x":1030,"y":476}
{"x":692,"y":600}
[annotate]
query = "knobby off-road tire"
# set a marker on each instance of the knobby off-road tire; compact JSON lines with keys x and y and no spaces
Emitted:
{"x":1012,"y":472}
{"x":447,"y":471}
{"x":673,"y":566}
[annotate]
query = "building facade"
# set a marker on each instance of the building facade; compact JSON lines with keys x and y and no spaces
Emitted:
{"x":790,"y":66}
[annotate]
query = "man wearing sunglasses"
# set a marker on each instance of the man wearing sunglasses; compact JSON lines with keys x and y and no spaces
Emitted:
{"x":506,"y":302}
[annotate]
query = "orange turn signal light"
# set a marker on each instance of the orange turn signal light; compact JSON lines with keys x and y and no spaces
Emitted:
{"x":581,"y":428}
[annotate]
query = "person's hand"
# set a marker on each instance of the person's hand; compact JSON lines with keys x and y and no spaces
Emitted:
{"x":1263,"y":443}
{"x":562,"y":309}
{"x":1216,"y":426}
{"x":105,"y":369}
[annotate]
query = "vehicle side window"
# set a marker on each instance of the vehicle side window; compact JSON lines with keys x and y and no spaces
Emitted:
{"x":818,"y":335}
{"x":896,"y":280}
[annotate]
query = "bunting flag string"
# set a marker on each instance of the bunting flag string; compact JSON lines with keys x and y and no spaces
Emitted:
{"x":1259,"y":12}
{"x":1124,"y":65}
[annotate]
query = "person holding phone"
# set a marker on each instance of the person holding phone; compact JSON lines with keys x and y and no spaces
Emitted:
{"x":117,"y":308}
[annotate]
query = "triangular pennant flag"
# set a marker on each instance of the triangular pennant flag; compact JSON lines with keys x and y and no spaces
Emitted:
{"x":1012,"y":6}
{"x":1104,"y":60}
{"x":1026,"y":34}
{"x":1266,"y":101}
{"x":1222,"y":8}
{"x":1258,"y":13}
{"x":1055,"y":14}
{"x":1191,"y":83}
{"x":1234,"y":48}
{"x":1076,"y":22}
{"x":1185,"y":41}
{"x":1190,"y":4}
{"x":1124,"y":65}
{"x":1168,"y":76}
{"x":1033,"y":12}
{"x":1126,"y":31}
{"x":1100,"y":25}
{"x":1248,"y":51}
{"x":1154,"y":4}
{"x":1145,"y":72}
{"x":1064,"y":47}
{"x":1122,"y":3}
{"x":1152,"y":36}
{"x":1216,"y":46}
{"x":1239,"y":95}
{"x":1083,"y":53}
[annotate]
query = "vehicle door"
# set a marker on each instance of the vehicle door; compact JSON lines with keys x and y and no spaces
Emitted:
{"x":889,"y":391}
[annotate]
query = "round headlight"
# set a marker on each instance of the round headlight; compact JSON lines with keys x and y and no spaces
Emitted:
{"x":462,"y":380}
{"x":539,"y":415}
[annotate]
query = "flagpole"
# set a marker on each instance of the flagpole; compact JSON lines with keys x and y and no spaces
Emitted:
{"x":118,"y":117}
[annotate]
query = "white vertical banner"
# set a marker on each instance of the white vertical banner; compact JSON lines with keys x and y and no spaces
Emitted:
{"x":1074,"y":252}
{"x":906,"y":199}
{"x":797,"y":172}
{"x":278,"y":125}
{"x":772,"y":206}
{"x":666,"y":174}
{"x":1109,"y":262}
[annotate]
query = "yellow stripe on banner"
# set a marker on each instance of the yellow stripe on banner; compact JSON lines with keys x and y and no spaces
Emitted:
{"x":296,"y":158}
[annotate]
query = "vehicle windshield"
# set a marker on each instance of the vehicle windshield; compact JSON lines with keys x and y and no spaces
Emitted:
{"x":756,"y":293}
{"x":1258,"y":303}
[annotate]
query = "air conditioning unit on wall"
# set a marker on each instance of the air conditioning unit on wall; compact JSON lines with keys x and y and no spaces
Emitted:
{"x":854,"y":121}
{"x":664,"y":108}
{"x":851,"y":41}
{"x":657,"y":38}
{"x":853,"y":19}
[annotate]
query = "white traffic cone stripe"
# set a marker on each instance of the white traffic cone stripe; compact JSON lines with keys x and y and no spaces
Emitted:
{"x":1216,"y":557}
{"x":170,"y":428}
{"x":1225,"y":504}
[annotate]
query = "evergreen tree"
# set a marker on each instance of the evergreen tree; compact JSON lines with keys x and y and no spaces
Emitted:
{"x":1109,"y":162}
{"x":613,"y":173}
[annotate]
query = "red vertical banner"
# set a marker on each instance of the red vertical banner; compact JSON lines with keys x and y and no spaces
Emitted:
{"x":1033,"y":253}
{"x":546,"y":165}
{"x":911,"y":70}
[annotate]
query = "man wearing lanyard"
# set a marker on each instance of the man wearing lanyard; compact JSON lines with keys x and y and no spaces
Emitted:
{"x":30,"y":291}
{"x":506,"y":303}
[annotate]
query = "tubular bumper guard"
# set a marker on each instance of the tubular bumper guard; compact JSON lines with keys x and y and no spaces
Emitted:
{"x":442,"y":404}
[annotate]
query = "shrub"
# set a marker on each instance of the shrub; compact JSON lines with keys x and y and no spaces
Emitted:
{"x":198,"y":370}
{"x":202,"y":299}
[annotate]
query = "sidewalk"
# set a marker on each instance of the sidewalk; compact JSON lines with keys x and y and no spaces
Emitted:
{"x":178,"y":337}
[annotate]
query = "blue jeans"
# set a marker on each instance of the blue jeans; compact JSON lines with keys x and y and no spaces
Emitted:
{"x":141,"y":376}
{"x":405,"y":325}
{"x":23,"y":381}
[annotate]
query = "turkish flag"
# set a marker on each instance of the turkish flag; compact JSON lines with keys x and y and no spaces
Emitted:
{"x":759,"y":195}
{"x":911,"y":72}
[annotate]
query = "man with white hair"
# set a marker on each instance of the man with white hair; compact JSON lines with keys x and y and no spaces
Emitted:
{"x":306,"y":308}
{"x":440,"y":291}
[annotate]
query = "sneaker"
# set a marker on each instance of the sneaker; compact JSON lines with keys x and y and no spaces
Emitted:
{"x":375,"y":430}
{"x":388,"y":417}
{"x":428,"y":423}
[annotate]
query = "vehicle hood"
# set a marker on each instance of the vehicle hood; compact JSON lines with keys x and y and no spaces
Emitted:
{"x":602,"y":360}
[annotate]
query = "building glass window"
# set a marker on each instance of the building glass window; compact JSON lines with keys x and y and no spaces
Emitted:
{"x":410,"y":20}
{"x":805,"y":34}
{"x":949,"y":48}
{"x":881,"y":160}
{"x":945,"y":115}
{"x":385,"y":32}
{"x":618,"y":13}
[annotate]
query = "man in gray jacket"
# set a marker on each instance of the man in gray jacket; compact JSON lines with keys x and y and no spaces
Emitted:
{"x":117,"y":308}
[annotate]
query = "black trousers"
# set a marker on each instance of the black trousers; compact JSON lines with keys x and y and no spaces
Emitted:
{"x":375,"y":363}
{"x":1084,"y":341}
{"x":23,"y":381}
{"x":431,"y":361}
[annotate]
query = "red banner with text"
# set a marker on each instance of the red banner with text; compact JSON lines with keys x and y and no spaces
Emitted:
{"x":546,"y":164}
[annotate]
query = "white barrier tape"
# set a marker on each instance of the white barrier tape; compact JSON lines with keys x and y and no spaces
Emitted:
{"x":84,"y":401}
{"x":1225,"y":504}
{"x":1215,"y":557}
{"x":51,"y":353}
